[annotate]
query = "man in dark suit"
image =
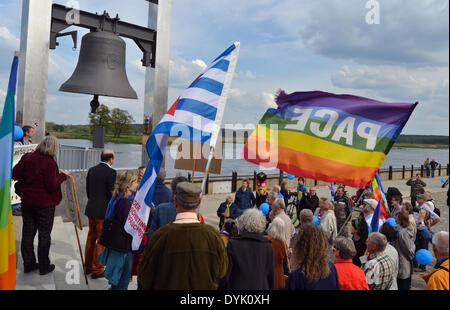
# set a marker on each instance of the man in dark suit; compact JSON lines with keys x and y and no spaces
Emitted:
{"x":99,"y":187}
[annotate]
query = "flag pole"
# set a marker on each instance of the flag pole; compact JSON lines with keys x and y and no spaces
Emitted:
{"x":77,"y":207}
{"x":208,"y":164}
{"x":219,"y":116}
{"x":205,"y":176}
{"x":193,"y":170}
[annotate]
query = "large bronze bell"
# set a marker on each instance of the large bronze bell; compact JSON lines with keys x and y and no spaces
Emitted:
{"x":101,"y":68}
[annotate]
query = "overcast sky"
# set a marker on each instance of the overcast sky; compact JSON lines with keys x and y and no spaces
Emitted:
{"x":285,"y":44}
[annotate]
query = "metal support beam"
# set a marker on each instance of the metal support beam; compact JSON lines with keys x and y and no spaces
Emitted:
{"x":33,"y":65}
{"x":145,"y":38}
{"x":157,"y":80}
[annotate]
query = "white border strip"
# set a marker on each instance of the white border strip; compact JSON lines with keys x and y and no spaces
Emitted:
{"x":226,"y":89}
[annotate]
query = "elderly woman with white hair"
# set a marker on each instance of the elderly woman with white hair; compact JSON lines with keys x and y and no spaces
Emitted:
{"x":276,"y":234}
{"x":41,"y":182}
{"x":227,"y":210}
{"x":250,"y":255}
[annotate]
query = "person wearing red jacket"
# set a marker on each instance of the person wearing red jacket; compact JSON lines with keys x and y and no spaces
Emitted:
{"x":350,"y":276}
{"x":41,"y":193}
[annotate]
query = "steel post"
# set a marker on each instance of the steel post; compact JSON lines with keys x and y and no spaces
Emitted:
{"x":157,"y":79}
{"x":33,"y":65}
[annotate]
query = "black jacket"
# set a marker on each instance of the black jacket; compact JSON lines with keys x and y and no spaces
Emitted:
{"x":360,"y":247}
{"x":309,"y":202}
{"x":348,"y":204}
{"x":250,"y":263}
{"x":234,"y":212}
{"x":260,"y":199}
{"x":99,"y":186}
{"x":434,"y":165}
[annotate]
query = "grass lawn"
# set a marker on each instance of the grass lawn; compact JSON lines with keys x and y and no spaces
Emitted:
{"x":133,"y":139}
{"x":426,"y":146}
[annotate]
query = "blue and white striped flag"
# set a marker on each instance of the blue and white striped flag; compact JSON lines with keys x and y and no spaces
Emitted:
{"x":197,"y":116}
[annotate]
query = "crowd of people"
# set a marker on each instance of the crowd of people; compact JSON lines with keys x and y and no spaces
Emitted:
{"x":331,"y":248}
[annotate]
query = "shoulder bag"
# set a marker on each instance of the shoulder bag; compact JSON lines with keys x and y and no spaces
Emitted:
{"x":114,"y":236}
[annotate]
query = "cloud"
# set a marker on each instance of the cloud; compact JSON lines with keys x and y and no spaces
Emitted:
{"x":396,"y":82}
{"x":428,"y":86}
{"x":183,"y":72}
{"x":8,"y":44}
{"x":3,"y":94}
{"x":268,"y":99}
{"x":137,"y":66}
{"x":236,"y":93}
{"x":412,"y":33}
{"x":7,"y":38}
{"x":289,"y":44}
{"x":200,"y":63}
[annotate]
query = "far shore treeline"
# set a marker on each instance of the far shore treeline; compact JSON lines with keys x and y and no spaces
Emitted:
{"x":134,"y":135}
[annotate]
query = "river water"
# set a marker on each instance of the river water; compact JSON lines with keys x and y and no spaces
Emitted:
{"x":129,"y":156}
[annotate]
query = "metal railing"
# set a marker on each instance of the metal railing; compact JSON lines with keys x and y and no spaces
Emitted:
{"x":72,"y":158}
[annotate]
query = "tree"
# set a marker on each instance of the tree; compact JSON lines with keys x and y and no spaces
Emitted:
{"x":102,"y":118}
{"x":120,"y":122}
{"x":59,"y":128}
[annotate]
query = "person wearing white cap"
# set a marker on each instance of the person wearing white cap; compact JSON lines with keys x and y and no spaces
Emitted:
{"x":369,"y":209}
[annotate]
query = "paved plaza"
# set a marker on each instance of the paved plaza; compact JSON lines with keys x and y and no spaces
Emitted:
{"x":64,"y":251}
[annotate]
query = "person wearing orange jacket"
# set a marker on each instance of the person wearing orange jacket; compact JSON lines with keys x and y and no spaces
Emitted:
{"x":438,"y":279}
{"x":350,"y":276}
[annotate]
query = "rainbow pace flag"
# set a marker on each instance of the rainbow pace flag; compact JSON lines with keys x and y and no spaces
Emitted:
{"x":7,"y":240}
{"x":378,"y":192}
{"x":327,"y":137}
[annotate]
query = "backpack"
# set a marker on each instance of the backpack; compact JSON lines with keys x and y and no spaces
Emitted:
{"x":437,"y":211}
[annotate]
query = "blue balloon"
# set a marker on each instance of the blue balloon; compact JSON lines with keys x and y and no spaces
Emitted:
{"x":290,"y":177}
{"x":391,"y":221}
{"x":316,"y":220}
{"x":264,"y":208}
{"x":424,"y":257}
{"x":18,"y":133}
{"x":442,"y":180}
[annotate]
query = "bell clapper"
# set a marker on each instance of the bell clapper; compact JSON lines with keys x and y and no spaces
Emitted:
{"x":94,"y":104}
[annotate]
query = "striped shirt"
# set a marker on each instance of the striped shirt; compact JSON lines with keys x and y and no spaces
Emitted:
{"x":379,"y":271}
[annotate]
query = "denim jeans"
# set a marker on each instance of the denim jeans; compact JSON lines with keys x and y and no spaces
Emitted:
{"x":428,"y":172}
{"x":432,"y":173}
{"x":126,"y":274}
